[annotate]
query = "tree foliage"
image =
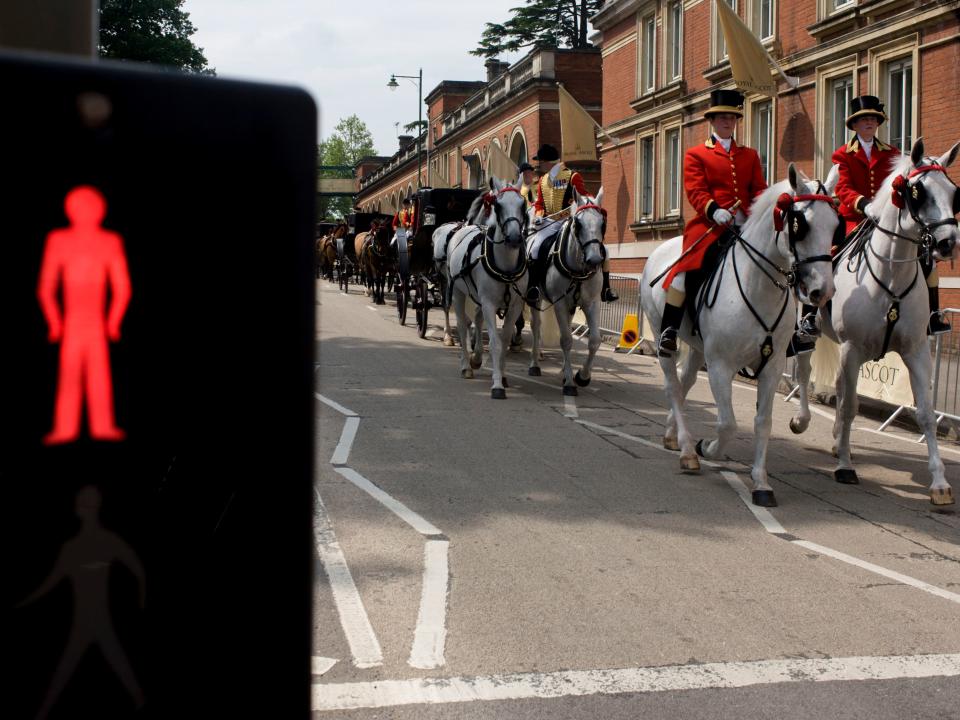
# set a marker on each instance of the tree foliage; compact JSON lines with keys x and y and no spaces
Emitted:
{"x":151,"y":31}
{"x":347,"y":144}
{"x":555,"y":23}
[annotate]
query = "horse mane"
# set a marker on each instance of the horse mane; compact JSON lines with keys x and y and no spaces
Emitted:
{"x":900,"y":166}
{"x":761,"y":210}
{"x":477,"y":211}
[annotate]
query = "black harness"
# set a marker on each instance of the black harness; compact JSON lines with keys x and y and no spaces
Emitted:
{"x":559,"y":246}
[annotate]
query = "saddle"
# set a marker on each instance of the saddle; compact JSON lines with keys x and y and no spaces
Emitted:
{"x":696,"y":278}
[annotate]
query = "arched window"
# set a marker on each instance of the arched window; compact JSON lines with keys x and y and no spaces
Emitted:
{"x":518,"y":147}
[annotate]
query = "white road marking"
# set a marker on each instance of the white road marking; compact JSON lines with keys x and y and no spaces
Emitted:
{"x":430,"y":636}
{"x":906,"y":494}
{"x":642,"y":441}
{"x":393,"y":505}
{"x":347,"y":435}
{"x":336,"y":406}
{"x":769,"y":522}
{"x":570,"y":407}
{"x":575,"y":683}
{"x":372,"y":308}
{"x":905,"y":579}
{"x":320,"y":665}
{"x":363,"y":643}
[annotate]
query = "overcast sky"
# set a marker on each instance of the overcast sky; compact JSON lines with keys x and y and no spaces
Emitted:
{"x":343,"y":52}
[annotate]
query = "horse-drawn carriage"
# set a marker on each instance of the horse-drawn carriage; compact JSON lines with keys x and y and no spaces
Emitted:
{"x":347,"y":261}
{"x":325,"y":248}
{"x":420,"y":283}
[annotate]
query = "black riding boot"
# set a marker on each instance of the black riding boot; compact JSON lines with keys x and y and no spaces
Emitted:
{"x":937,"y":326}
{"x":808,"y":322}
{"x":607,"y":294}
{"x":534,"y":280}
{"x":669,"y":327}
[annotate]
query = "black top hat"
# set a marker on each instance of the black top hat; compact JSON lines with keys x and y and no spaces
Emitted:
{"x":725,"y":101}
{"x":863,"y":106}
{"x":408,"y":198}
{"x":525,"y":166}
{"x":547,"y":152}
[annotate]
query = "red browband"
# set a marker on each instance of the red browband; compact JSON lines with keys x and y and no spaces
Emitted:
{"x":899,"y":183}
{"x":591,"y":206}
{"x":786,"y":201}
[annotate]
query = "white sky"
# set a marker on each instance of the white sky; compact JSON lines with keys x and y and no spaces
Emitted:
{"x":343,"y":52}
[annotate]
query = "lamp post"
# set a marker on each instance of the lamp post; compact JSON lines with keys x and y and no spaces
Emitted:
{"x":393,"y":85}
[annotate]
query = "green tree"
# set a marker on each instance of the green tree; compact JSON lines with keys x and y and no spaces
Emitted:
{"x":350,"y":141}
{"x":555,"y":23}
{"x":151,"y":31}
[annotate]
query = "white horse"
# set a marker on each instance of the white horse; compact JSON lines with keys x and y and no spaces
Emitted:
{"x":487,"y":264}
{"x":881,"y":302}
{"x":573,"y":279}
{"x":743,"y":318}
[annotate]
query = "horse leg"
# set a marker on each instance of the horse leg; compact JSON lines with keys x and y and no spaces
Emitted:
{"x":688,"y":378}
{"x":566,"y":344}
{"x":801,"y":420}
{"x":688,"y":455}
{"x":535,"y":320}
{"x":592,"y":311}
{"x":920,"y":366}
{"x":447,"y":335}
{"x":476,"y":338}
{"x":497,"y":392}
{"x":847,"y":405}
{"x":766,"y":392}
{"x":463,"y":330}
{"x":721,"y":384}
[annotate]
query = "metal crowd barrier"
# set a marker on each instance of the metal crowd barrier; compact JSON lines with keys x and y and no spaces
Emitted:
{"x":613,"y":315}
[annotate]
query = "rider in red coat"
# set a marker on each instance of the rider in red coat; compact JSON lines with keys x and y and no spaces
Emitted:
{"x":864,"y":163}
{"x":721,"y":180}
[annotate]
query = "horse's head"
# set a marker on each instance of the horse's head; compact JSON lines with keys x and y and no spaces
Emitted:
{"x":589,"y":225}
{"x":812,"y":226}
{"x":509,"y":212}
{"x":927,"y":199}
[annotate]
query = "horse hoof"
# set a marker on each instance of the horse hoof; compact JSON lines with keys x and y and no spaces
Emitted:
{"x":796,"y":426}
{"x":534,"y":372}
{"x":700,"y":448}
{"x":689,"y":464}
{"x":580,"y":381}
{"x":475,"y":363}
{"x":847,"y":476}
{"x":498,"y":394}
{"x":466,"y":374}
{"x":671,"y":443}
{"x":764,"y":498}
{"x":941,"y":497}
{"x":448,"y":342}
{"x":570,"y":390}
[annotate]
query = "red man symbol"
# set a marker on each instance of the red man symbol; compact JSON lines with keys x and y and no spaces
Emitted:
{"x":83,"y":260}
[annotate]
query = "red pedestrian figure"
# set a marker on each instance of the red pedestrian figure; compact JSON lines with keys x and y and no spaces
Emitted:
{"x":83,"y":260}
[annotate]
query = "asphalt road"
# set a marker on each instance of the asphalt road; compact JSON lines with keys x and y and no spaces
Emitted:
{"x":536,"y":558}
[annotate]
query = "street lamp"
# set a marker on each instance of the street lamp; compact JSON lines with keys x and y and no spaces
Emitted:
{"x":393,"y":85}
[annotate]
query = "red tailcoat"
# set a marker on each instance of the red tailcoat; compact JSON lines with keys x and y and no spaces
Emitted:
{"x":860,"y":177}
{"x":714,"y":178}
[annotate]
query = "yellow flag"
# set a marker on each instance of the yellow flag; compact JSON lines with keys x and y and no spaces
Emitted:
{"x":437,"y":180}
{"x":749,"y":62}
{"x":576,"y":130}
{"x":500,"y":165}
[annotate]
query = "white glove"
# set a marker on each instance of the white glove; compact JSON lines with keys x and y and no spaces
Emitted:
{"x":722,"y":217}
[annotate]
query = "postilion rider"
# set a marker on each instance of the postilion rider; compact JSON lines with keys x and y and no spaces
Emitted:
{"x":554,"y":193}
{"x":716,"y":176}
{"x":864,"y":162}
{"x":404,"y":218}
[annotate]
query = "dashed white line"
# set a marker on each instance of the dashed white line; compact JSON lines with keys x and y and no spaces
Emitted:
{"x":572,"y":683}
{"x":336,"y":406}
{"x":570,"y":407}
{"x":393,"y":505}
{"x":320,"y":665}
{"x":766,"y":518}
{"x":347,"y":435}
{"x":430,"y":635}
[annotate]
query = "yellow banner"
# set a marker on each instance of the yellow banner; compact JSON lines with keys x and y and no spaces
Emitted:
{"x":749,"y":62}
{"x":499,"y":165}
{"x":437,"y":180}
{"x":576,"y":130}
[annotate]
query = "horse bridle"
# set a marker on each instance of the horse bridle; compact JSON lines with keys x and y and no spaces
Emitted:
{"x":912,"y":197}
{"x":784,"y":213}
{"x":490,"y":200}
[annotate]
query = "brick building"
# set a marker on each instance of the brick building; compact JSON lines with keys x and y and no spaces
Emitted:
{"x":516,"y":108}
{"x":661,"y":59}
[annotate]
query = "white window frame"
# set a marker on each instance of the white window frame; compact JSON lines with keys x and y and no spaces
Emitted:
{"x":880,"y":59}
{"x":843,"y":68}
{"x":647,"y":53}
{"x":755,"y":19}
{"x":646,"y":144}
{"x":672,"y":46}
{"x":718,"y":48}
{"x":752,"y":129}
{"x":674,"y":184}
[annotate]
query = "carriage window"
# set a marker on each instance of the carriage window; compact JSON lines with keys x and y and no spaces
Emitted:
{"x":646,"y":176}
{"x":899,"y":87}
{"x":648,"y":49}
{"x":674,"y":40}
{"x":762,"y":127}
{"x":841,"y":93}
{"x":674,"y":170}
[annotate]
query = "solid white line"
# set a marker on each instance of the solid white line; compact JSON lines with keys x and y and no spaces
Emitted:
{"x":430,"y":635}
{"x":336,"y":406}
{"x":905,"y":579}
{"x":570,"y":407}
{"x":320,"y":665}
{"x":395,"y":506}
{"x":363,"y":643}
{"x":766,"y":519}
{"x":349,"y":432}
{"x":642,"y":441}
{"x":431,"y":691}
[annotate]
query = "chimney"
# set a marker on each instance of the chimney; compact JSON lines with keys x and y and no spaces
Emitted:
{"x":495,"y":68}
{"x":405,"y":141}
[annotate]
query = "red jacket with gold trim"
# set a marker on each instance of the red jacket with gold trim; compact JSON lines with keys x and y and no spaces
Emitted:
{"x":714,"y":178}
{"x":859,"y":177}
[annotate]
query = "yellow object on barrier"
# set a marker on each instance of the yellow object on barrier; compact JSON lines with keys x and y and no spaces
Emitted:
{"x":630,"y":334}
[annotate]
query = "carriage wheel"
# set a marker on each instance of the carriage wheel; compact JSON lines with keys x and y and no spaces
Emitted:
{"x":403,"y":296}
{"x":422,"y":304}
